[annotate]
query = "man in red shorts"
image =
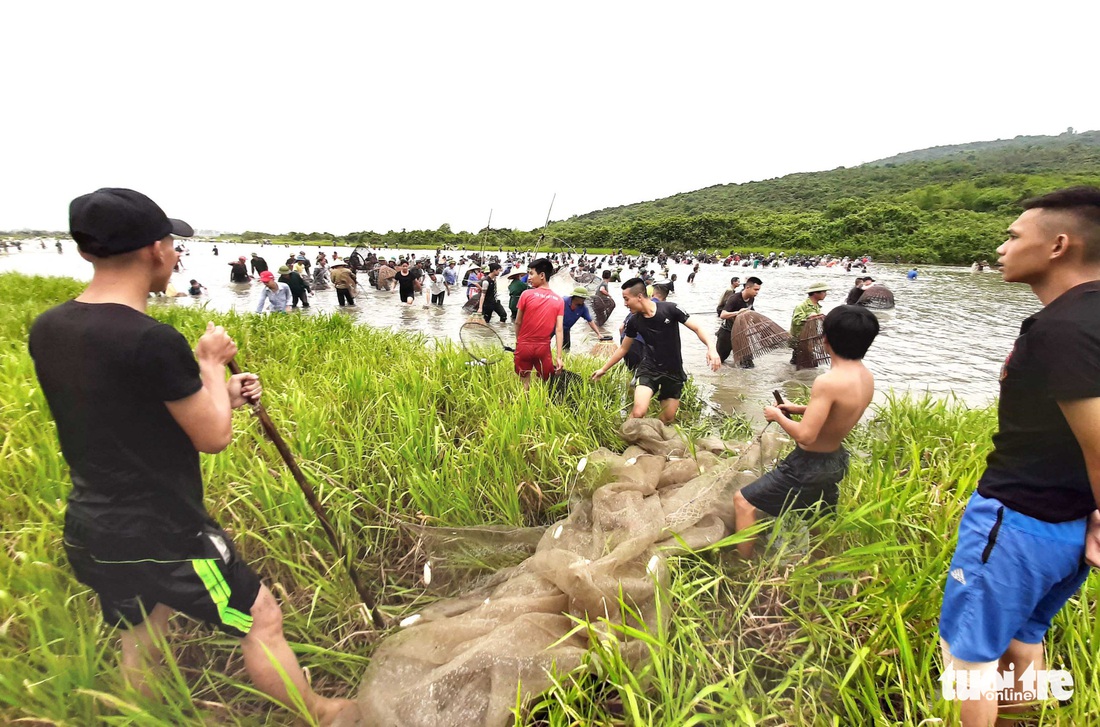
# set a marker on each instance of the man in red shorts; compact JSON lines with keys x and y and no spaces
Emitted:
{"x":539,"y":315}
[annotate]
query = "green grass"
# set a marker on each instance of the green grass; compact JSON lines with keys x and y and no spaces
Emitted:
{"x":389,"y":427}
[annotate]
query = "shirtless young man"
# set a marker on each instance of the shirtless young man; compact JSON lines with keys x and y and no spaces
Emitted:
{"x":809,"y":475}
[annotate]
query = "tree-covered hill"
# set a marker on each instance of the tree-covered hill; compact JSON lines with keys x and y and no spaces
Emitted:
{"x":987,"y":164}
{"x":946,"y":204}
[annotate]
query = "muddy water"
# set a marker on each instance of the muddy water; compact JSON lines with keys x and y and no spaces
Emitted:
{"x":947,"y":336}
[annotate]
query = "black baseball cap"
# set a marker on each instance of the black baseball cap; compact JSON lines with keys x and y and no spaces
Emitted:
{"x":113,"y":221}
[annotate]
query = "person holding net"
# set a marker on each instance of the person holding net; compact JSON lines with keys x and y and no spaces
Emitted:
{"x":807,"y":310}
{"x":539,"y":315}
{"x":731,"y":307}
{"x":133,"y":412}
{"x":809,"y":476}
{"x":661,"y":371}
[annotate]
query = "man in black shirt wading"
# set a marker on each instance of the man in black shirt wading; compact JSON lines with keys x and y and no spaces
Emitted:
{"x":489,"y":303}
{"x":661,"y":371}
{"x":1032,"y":527}
{"x":134,"y":407}
{"x":731,"y":308}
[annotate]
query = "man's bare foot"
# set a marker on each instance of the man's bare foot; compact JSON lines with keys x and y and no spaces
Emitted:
{"x":342,"y":712}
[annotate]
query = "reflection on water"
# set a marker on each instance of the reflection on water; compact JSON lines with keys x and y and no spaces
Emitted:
{"x":949,"y":333}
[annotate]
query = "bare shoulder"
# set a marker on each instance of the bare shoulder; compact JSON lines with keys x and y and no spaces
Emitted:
{"x":846,"y":380}
{"x":828,"y":382}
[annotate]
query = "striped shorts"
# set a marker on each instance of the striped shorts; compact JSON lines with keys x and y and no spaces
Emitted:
{"x":205,"y":579}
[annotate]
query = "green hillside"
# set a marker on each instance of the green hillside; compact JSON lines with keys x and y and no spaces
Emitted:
{"x":945,"y":204}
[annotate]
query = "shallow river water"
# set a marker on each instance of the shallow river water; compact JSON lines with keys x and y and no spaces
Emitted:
{"x":949,"y":333}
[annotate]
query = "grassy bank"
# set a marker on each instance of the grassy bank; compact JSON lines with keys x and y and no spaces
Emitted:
{"x":394,"y":425}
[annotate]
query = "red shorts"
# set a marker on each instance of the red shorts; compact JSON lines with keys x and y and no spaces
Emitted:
{"x":534,"y":357}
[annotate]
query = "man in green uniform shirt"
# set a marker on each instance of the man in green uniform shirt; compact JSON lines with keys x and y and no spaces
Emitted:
{"x":807,"y":310}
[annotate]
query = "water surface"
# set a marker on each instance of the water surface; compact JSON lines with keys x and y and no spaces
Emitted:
{"x":948,"y":335}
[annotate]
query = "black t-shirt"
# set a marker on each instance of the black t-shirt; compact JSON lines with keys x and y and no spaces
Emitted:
{"x":295,"y":281}
{"x":662,"y":337}
{"x":854,"y":295}
{"x":1037,"y":467}
{"x":489,"y":287}
{"x":106,"y":370}
{"x":238,"y":273}
{"x":734,"y":303}
{"x":405,"y":281}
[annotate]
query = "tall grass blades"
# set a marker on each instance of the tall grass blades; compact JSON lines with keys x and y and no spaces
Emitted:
{"x":834,"y":624}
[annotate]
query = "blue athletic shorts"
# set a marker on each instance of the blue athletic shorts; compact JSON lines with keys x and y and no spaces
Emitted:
{"x":1008,"y":577}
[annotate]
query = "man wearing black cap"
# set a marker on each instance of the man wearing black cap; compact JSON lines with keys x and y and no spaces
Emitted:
{"x":134,"y":407}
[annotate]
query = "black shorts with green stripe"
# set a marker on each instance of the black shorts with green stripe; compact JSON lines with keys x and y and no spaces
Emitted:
{"x":204,"y":578}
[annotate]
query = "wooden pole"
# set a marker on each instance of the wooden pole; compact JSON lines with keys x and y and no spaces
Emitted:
{"x":311,"y":497}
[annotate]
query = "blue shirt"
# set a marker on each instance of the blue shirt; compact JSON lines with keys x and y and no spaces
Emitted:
{"x":280,"y":298}
{"x":572,"y":316}
{"x":912,"y":275}
{"x":450,"y":276}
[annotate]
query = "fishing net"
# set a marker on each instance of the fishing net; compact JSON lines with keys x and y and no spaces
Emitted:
{"x":602,"y":305}
{"x":562,"y":282}
{"x":385,"y":277}
{"x":470,"y":306}
{"x":482,"y":343}
{"x":355,"y":259}
{"x":586,"y":279}
{"x":562,"y":383}
{"x":463,"y":660}
{"x":754,"y":334}
{"x":877,"y":297}
{"x":809,"y":350}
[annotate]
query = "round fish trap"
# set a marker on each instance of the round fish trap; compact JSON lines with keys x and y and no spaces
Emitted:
{"x":562,"y":382}
{"x":877,"y":297}
{"x":809,"y":350}
{"x":471,"y":303}
{"x":602,"y":306}
{"x":604,"y":349}
{"x":385,"y":277}
{"x":754,"y":334}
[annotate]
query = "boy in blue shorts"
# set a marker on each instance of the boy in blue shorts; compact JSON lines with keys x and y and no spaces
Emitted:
{"x":1030,"y":530}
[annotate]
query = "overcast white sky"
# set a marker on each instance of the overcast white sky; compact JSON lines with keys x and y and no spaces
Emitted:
{"x":339,"y":117}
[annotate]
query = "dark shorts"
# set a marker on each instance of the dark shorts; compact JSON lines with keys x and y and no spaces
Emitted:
{"x":801,"y":481}
{"x":664,"y":385}
{"x":1010,"y":574}
{"x":204,"y":578}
